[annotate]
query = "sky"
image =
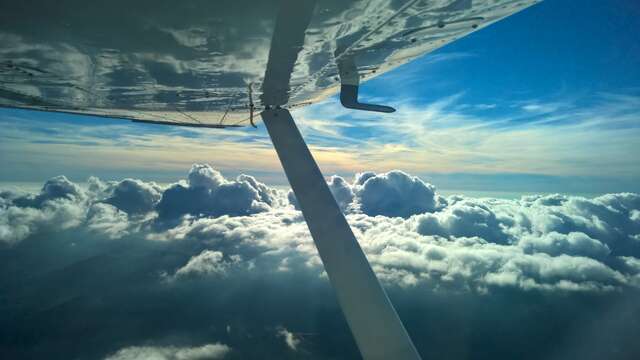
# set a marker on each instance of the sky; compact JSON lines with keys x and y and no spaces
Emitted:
{"x":543,"y":101}
{"x":498,"y":207}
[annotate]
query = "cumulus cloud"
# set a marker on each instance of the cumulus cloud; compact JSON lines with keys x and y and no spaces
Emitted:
{"x":204,"y":352}
{"x":51,"y":210}
{"x":204,"y":176}
{"x":208,"y":193}
{"x":536,"y":243}
{"x":573,"y":243}
{"x":107,"y":220}
{"x":62,"y":204}
{"x":58,"y":187}
{"x":392,"y":194}
{"x":135,"y":196}
{"x":463,"y":218}
{"x":412,"y":235}
{"x":395,"y":194}
{"x":341,"y":190}
{"x":233,"y":254}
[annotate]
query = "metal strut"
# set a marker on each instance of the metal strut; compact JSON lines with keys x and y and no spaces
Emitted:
{"x":251,"y":106}
{"x":373,"y":321}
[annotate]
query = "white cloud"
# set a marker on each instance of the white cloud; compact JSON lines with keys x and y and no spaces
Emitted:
{"x":203,"y":175}
{"x":206,"y":263}
{"x":18,"y":222}
{"x":396,"y":194}
{"x":204,"y":352}
{"x":412,"y":236}
{"x":208,"y":193}
{"x":135,"y":196}
{"x":464,"y":218}
{"x":58,"y":187}
{"x":107,"y":220}
{"x":289,"y":338}
{"x":254,"y":273}
{"x":573,"y":243}
{"x":536,"y":107}
{"x":342,"y":191}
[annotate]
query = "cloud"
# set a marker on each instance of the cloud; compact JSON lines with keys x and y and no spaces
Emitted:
{"x":573,"y":243}
{"x":536,"y":243}
{"x":341,"y":190}
{"x":535,"y":107}
{"x":204,"y":352}
{"x":204,"y":176}
{"x":413,"y":235}
{"x":208,"y":193}
{"x":135,"y":196}
{"x":389,"y":194}
{"x":58,"y":187}
{"x":207,"y":265}
{"x":463,"y":218}
{"x":395,"y":194}
{"x":289,"y":338}
{"x":60,"y":204}
{"x":107,"y":220}
{"x":450,"y":135}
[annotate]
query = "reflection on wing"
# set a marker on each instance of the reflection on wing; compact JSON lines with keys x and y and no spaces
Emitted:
{"x":191,"y":63}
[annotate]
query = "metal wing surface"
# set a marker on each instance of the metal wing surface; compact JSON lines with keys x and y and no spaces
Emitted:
{"x":202,"y":63}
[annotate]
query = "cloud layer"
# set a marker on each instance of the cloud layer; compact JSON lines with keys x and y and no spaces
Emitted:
{"x":411,"y":234}
{"x":222,"y":238}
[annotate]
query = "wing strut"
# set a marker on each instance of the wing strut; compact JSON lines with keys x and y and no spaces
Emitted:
{"x":374,"y":323}
{"x":376,"y":327}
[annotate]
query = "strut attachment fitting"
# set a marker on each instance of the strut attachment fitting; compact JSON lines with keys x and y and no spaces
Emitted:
{"x":252,"y":106}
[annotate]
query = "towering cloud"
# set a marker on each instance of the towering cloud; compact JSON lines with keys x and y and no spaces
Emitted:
{"x":208,"y":193}
{"x":395,"y":194}
{"x":134,"y":196}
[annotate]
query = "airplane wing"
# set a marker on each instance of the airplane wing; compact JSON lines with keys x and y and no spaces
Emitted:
{"x":202,"y":63}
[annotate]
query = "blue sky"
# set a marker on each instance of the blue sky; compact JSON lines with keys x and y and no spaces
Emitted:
{"x":554,"y":49}
{"x":547,"y":100}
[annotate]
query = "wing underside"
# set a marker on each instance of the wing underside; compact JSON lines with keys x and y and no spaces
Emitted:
{"x":202,"y":63}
